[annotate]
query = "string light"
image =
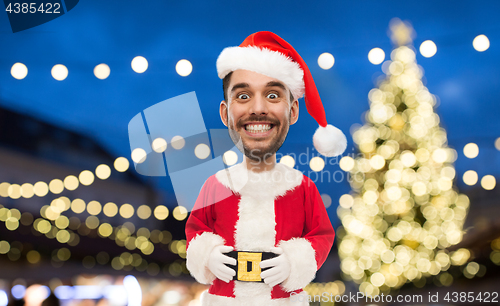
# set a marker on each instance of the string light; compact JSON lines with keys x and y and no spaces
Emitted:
{"x":184,"y":67}
{"x":288,"y":160}
{"x":481,"y":43}
{"x":180,"y":213}
{"x":139,"y":155}
{"x":471,"y":150}
{"x":159,"y":145}
{"x":102,"y":71}
{"x":103,"y":171}
{"x":19,"y":71}
{"x":428,"y":48}
{"x":139,"y":64}
{"x":124,"y":236}
{"x":202,"y":151}
{"x":56,"y":186}
{"x":326,"y":61}
{"x":488,"y":182}
{"x":59,"y":72}
{"x":121,"y":164}
{"x":230,"y":158}
{"x":317,"y":164}
{"x":177,"y":142}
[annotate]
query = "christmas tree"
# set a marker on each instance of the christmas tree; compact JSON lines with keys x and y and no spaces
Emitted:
{"x":403,"y":211}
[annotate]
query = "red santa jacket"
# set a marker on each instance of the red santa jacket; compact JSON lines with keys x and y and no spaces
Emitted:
{"x":254,"y":212}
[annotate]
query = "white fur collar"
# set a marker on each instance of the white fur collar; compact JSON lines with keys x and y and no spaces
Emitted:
{"x":266,"y":184}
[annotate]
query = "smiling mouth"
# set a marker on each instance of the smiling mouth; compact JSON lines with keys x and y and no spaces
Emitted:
{"x":258,"y":128}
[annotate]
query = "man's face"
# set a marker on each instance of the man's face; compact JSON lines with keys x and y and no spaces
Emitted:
{"x":259,"y":113}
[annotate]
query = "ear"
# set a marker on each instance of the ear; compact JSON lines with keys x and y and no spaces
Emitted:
{"x":294,"y":112}
{"x":223,"y":112}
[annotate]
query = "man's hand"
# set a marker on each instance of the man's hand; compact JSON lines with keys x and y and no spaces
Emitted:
{"x":217,"y":261}
{"x":280,"y":268}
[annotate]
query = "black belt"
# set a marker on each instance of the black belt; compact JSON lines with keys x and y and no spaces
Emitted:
{"x":247,"y":265}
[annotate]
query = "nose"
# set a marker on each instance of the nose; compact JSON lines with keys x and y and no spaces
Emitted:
{"x":259,"y":106}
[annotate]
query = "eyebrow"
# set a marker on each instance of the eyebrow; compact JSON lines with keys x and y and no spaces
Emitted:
{"x":239,"y":85}
{"x":269,"y":84}
{"x":276,"y":84}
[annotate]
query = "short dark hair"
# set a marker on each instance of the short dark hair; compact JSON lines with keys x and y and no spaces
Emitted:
{"x":225,"y":85}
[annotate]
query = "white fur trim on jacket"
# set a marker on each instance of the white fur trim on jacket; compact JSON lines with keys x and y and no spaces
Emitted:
{"x":207,"y":299}
{"x":264,"y":61}
{"x":255,"y":229}
{"x":262,"y":185}
{"x":197,"y":256}
{"x":303,"y":264}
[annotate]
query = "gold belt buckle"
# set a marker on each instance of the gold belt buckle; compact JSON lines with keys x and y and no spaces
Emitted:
{"x":249,"y":266}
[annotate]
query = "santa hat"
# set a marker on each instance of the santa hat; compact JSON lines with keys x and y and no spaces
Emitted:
{"x":268,"y":54}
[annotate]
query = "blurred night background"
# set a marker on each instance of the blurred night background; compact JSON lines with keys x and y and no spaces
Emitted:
{"x":78,"y":222}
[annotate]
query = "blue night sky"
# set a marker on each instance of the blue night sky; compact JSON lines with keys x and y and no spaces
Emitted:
{"x":467,"y":82}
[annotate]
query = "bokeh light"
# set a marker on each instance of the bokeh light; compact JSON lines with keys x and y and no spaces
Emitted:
{"x":346,"y":163}
{"x":327,"y":200}
{"x":59,"y":72}
{"x":102,"y":71}
{"x":139,"y":64}
{"x":428,"y":48}
{"x":159,"y":145}
{"x":71,"y":182}
{"x":139,"y":155}
{"x":126,"y":211}
{"x":179,"y":213}
{"x":317,"y":164}
{"x":470,"y":177}
{"x":121,"y":164}
{"x":144,"y":212}
{"x":103,"y":171}
{"x":202,"y":151}
{"x":41,"y":189}
{"x":177,"y":142}
{"x":481,"y":43}
{"x":488,"y":182}
{"x":161,"y":212}
{"x":110,"y":209}
{"x":326,"y":61}
{"x":376,"y":56}
{"x":19,"y":71}
{"x":288,"y":160}
{"x":230,"y":158}
{"x":56,"y":186}
{"x":471,"y":150}
{"x":86,"y":177}
{"x":184,"y":67}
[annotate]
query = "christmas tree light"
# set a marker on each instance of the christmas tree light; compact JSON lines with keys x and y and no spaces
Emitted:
{"x":403,"y":211}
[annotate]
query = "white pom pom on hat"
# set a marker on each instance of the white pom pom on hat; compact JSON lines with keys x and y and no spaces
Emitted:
{"x":329,"y":141}
{"x":268,"y":54}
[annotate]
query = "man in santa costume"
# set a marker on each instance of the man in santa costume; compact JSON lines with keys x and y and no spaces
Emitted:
{"x":259,"y":230}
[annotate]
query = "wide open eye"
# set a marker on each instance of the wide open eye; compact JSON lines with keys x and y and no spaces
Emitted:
{"x":272,"y":96}
{"x":243,"y":96}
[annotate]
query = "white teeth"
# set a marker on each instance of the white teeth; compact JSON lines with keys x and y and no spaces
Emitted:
{"x":258,"y":128}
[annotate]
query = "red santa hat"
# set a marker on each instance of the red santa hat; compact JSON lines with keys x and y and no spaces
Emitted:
{"x":268,"y":54}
